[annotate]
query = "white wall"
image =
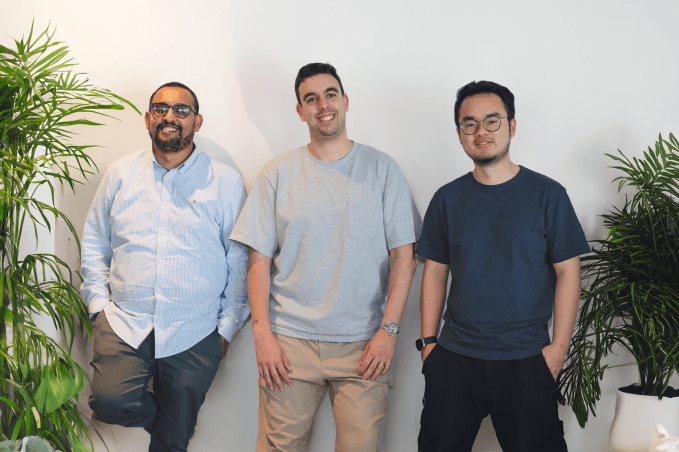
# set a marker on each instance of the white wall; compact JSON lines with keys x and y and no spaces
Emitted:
{"x":589,"y":77}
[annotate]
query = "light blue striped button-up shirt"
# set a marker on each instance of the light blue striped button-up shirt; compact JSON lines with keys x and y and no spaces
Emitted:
{"x":156,"y":251}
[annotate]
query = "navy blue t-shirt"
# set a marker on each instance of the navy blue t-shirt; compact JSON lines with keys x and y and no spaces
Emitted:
{"x":500,"y":242}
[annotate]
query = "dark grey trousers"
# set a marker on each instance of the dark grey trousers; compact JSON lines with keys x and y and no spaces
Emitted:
{"x":180,"y":382}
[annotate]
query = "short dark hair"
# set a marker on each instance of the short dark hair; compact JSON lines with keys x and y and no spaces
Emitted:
{"x":484,"y":87}
{"x":312,"y":69}
{"x":178,"y":85}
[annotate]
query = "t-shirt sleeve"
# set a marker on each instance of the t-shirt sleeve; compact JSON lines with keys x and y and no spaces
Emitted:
{"x":565,"y":237}
{"x":434,"y":240}
{"x":256,"y":225}
{"x":402,"y":221}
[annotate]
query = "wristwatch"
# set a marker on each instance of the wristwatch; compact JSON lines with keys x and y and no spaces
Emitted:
{"x":391,"y":328}
{"x":424,"y":341}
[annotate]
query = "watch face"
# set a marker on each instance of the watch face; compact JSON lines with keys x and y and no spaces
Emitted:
{"x":419,"y":345}
{"x":392,"y":329}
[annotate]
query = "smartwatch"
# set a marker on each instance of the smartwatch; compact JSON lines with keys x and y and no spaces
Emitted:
{"x":424,"y":341}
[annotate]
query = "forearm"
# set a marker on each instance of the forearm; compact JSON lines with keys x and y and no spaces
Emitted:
{"x":432,"y":296}
{"x":259,"y":290}
{"x":566,"y":301}
{"x":403,"y":264}
{"x":272,"y":363}
{"x":377,"y":356}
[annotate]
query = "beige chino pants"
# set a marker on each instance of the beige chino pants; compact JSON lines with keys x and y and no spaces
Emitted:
{"x":359,"y":406}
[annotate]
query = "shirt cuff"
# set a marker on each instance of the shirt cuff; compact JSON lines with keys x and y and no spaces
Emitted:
{"x":96,"y":306}
{"x":227,"y":329}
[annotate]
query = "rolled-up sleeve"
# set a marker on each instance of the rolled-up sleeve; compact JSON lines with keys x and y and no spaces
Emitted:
{"x":235,"y":308}
{"x":96,"y":250}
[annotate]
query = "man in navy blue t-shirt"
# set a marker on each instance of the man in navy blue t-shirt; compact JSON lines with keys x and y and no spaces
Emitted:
{"x":510,"y":240}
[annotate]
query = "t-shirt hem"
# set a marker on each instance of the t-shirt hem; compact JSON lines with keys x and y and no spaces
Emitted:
{"x":491,"y":355}
{"x":323,"y":337}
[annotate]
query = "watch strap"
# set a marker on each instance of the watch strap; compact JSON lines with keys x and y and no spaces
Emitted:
{"x":424,"y":341}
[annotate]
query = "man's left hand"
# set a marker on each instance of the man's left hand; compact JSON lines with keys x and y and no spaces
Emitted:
{"x":225,"y":347}
{"x":377,"y":355}
{"x":554,"y":358}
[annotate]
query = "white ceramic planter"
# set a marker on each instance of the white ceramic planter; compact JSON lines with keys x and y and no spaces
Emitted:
{"x":635,"y":418}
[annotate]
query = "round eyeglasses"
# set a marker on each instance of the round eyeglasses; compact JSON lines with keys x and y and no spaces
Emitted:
{"x":491,"y":124}
{"x":180,"y":110}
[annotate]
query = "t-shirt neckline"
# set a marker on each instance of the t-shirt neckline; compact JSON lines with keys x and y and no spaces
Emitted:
{"x":346,"y":158}
{"x":499,"y":187}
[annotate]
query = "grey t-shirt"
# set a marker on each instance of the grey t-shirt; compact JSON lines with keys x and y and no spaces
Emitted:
{"x":328,"y":227}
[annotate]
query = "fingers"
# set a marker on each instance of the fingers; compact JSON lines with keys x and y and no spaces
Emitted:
{"x":375,"y":368}
{"x":376,"y":357}
{"x":272,"y":375}
{"x":363,"y":364}
{"x":382,"y":368}
{"x":272,"y":362}
{"x":273,"y":371}
{"x":284,"y":372}
{"x":266,"y":375}
{"x":365,"y":353}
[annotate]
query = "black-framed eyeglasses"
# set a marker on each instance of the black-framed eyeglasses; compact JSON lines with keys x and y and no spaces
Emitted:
{"x":491,"y":123}
{"x":180,"y":110}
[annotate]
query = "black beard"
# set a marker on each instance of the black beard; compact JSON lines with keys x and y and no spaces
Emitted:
{"x":173,"y":145}
{"x":488,"y":161}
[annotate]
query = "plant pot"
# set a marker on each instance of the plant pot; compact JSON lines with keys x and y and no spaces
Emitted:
{"x":636,"y":416}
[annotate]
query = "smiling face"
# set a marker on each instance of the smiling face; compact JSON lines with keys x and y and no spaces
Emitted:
{"x":323,"y":107}
{"x":169,"y":133}
{"x":483,"y":147}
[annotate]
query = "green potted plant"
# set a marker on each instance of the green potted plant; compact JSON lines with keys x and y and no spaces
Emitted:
{"x":630,"y":296}
{"x":41,"y":100}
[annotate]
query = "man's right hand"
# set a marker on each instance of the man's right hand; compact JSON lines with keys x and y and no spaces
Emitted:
{"x":427,"y":350}
{"x":272,"y":361}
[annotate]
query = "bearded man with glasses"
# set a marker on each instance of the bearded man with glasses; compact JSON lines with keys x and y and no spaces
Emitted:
{"x":510,"y":240}
{"x":164,"y":285}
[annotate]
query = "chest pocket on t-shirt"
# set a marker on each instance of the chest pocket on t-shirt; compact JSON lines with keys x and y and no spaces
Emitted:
{"x":364,"y":215}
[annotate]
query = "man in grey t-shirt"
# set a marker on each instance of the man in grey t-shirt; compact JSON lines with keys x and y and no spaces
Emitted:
{"x":331,"y":228}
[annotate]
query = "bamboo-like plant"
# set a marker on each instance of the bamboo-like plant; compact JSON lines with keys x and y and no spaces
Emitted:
{"x":631,"y":293}
{"x":41,"y":100}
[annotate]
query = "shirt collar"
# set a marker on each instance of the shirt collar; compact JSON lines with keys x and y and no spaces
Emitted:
{"x":181,"y":168}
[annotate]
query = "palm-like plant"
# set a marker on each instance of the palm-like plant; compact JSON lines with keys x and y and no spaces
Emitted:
{"x":631,"y":293}
{"x":41,"y":99}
